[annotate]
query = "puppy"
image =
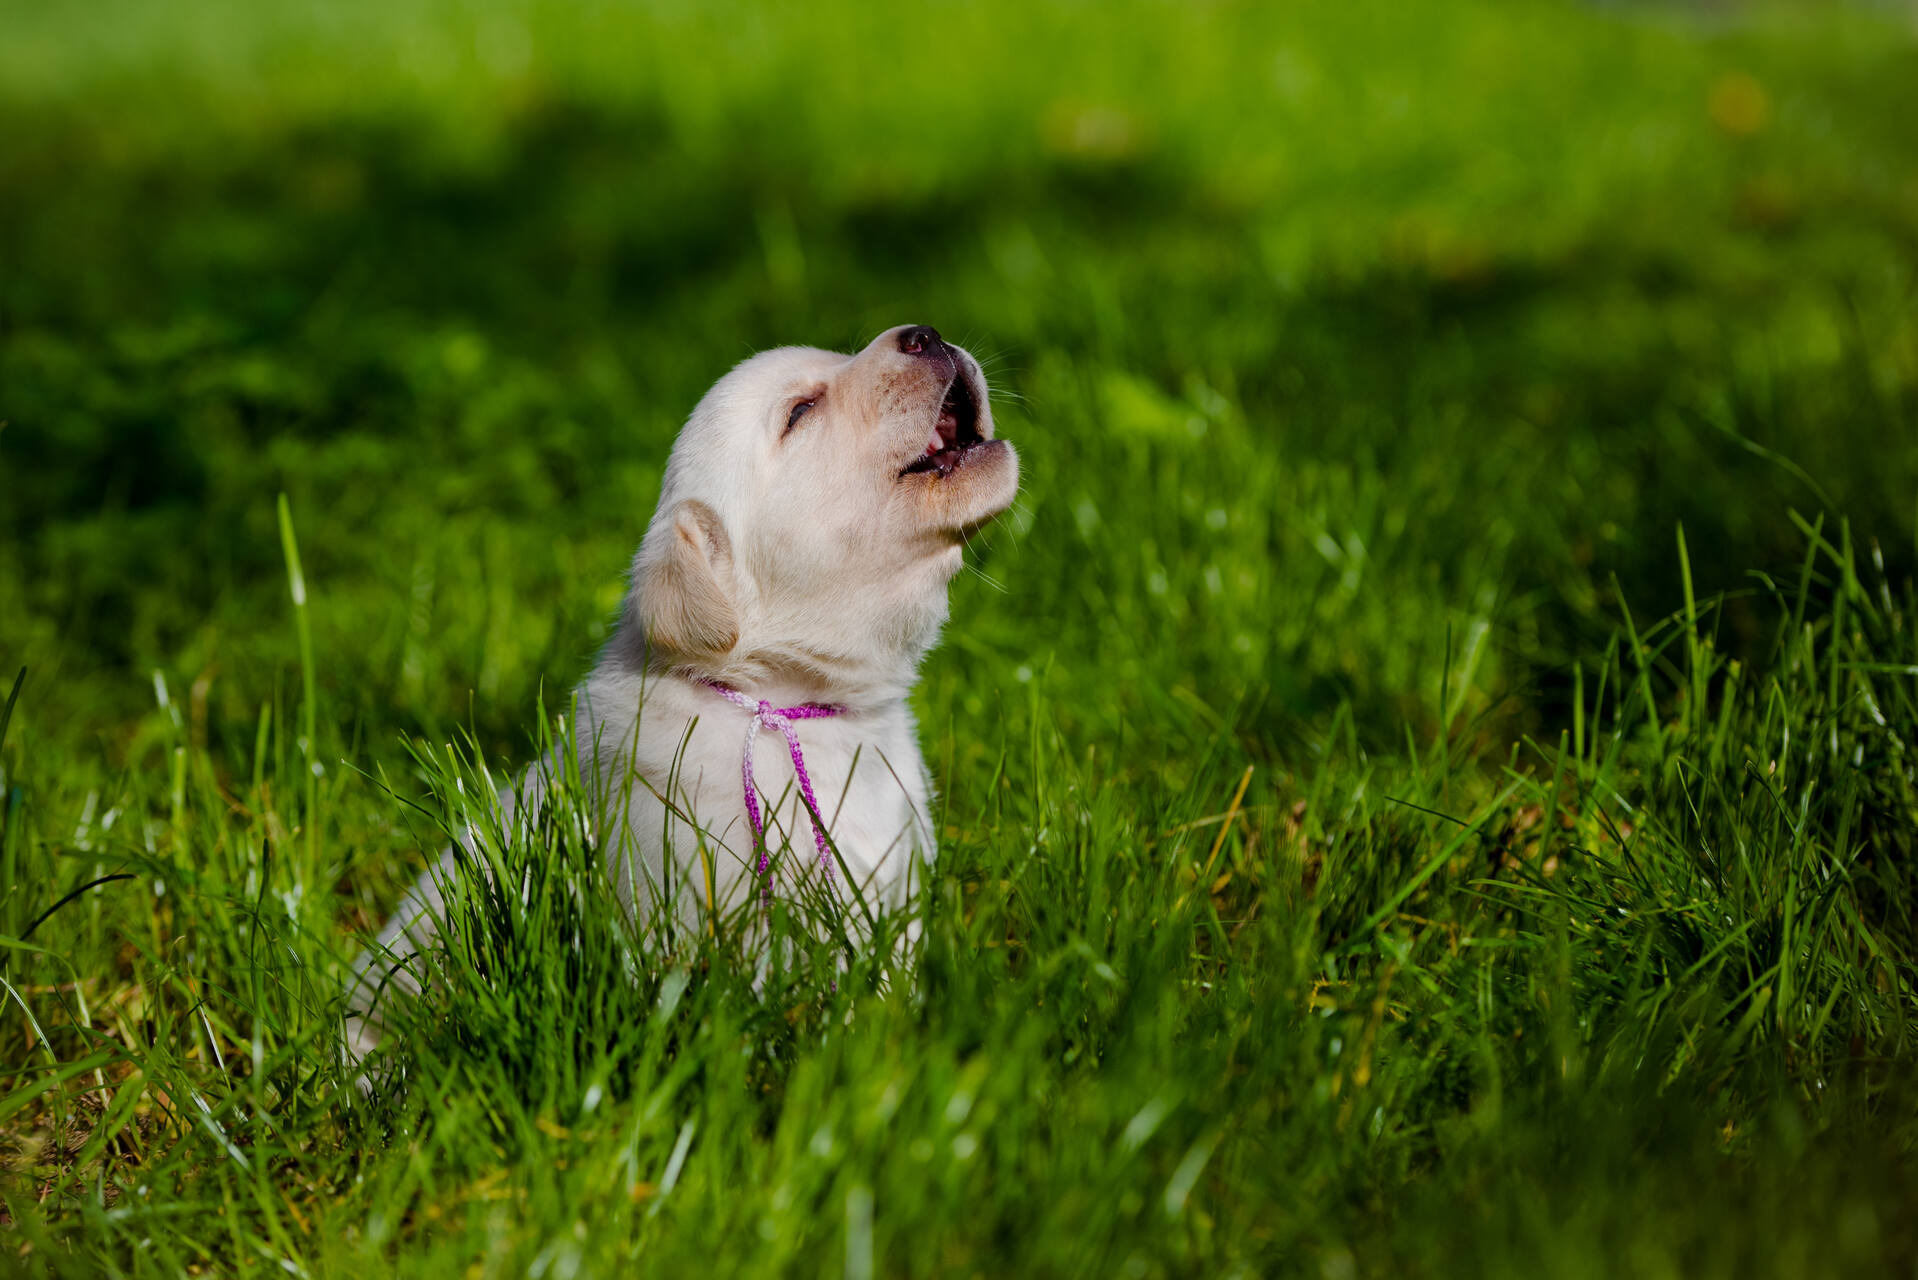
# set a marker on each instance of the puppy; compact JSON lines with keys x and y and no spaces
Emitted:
{"x":814,"y":508}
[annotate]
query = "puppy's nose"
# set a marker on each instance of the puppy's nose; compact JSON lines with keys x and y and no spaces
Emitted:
{"x":921,"y":340}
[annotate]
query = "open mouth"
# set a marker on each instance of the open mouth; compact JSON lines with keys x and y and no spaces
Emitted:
{"x":955,"y":431}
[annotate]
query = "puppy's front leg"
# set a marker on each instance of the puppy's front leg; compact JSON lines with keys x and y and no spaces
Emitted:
{"x":385,"y":974}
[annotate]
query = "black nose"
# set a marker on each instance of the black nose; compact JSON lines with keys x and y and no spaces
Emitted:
{"x":921,"y":340}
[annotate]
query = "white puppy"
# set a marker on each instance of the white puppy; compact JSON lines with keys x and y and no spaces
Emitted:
{"x":814,"y":509}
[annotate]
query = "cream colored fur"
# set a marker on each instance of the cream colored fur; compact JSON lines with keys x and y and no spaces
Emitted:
{"x":795,"y":565}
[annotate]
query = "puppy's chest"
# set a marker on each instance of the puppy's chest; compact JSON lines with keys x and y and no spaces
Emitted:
{"x":868,"y":783}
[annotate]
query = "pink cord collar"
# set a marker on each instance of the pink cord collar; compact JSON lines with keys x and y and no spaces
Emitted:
{"x":767,"y":716}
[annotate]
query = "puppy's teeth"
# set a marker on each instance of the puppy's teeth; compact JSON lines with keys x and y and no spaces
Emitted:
{"x":935,"y":444}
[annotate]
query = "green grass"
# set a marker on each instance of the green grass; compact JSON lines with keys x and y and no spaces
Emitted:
{"x":1427,"y":767}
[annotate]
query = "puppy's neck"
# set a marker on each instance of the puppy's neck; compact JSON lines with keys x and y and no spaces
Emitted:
{"x":788,"y":670}
{"x":857,"y":645}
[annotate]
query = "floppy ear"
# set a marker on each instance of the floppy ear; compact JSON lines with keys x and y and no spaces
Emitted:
{"x":685,"y":583}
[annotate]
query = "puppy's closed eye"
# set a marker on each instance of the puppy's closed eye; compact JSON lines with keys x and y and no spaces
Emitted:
{"x":799,"y":411}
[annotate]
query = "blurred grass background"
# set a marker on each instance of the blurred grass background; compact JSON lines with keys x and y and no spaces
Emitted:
{"x":1366,"y":362}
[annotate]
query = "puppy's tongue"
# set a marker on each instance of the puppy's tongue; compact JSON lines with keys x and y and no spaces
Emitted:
{"x":944,"y":432}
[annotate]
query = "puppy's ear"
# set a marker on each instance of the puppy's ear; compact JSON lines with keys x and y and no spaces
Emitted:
{"x":685,"y":583}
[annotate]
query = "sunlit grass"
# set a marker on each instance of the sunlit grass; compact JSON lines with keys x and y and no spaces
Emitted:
{"x":1425,"y":770}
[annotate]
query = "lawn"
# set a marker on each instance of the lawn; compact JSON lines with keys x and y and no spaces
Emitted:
{"x":1427,"y":766}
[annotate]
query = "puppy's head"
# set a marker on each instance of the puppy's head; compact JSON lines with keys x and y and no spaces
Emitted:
{"x":815,"y":506}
